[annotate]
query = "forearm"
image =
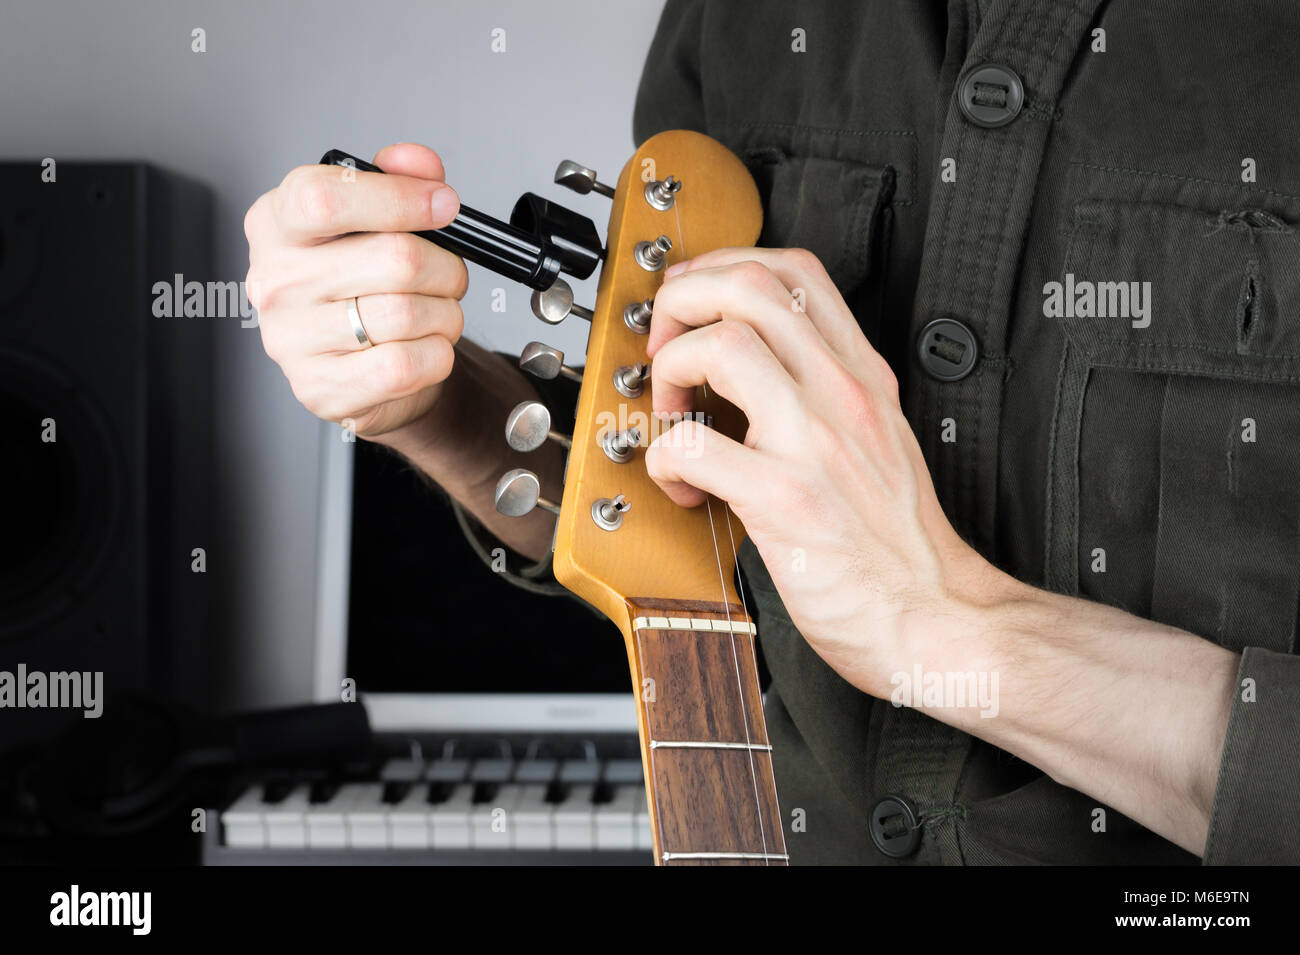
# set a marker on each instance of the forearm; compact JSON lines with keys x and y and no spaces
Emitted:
{"x":1130,"y":712}
{"x":460,"y":445}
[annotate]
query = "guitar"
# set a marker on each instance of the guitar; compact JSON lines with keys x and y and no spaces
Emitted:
{"x":663,"y":574}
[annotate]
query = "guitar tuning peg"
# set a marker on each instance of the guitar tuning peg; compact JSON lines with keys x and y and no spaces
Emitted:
{"x":528,"y":426}
{"x":662,"y":194}
{"x":608,"y":512}
{"x":651,"y":255}
{"x":637,"y":316}
{"x":553,"y":305}
{"x":519,"y":491}
{"x":543,"y":361}
{"x":580,"y":179}
{"x":629,"y":380}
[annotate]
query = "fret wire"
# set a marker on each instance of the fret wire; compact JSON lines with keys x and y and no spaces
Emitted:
{"x":707,"y":744}
{"x":766,"y":856}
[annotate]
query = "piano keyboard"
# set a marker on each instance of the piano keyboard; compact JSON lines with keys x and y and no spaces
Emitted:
{"x":457,"y":811}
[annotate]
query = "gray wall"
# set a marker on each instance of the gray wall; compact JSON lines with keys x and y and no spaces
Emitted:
{"x":280,"y":83}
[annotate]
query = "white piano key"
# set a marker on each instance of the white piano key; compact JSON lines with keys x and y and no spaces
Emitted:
{"x":243,"y":823}
{"x":449,"y":821}
{"x":326,"y":821}
{"x":403,"y":770}
{"x":366,"y":817}
{"x":624,"y":772}
{"x":536,"y":771}
{"x":448,"y":771}
{"x":491,"y":821}
{"x":616,"y":819}
{"x":408,"y":820}
{"x":575,"y":819}
{"x":579,"y":771}
{"x":644,"y":833}
{"x":286,"y":820}
{"x":534,"y":823}
{"x":492,"y":770}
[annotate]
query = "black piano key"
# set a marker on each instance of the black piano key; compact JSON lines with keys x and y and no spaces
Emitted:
{"x":394,"y":793}
{"x":485,"y":792}
{"x":322,"y":790}
{"x":275,"y":790}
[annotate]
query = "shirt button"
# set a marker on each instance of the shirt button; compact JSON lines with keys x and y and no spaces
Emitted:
{"x":894,"y":827}
{"x":990,"y":95}
{"x":947,"y":349}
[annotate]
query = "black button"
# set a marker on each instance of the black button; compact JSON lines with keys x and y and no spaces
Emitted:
{"x":947,"y":349}
{"x":894,"y":827}
{"x":990,"y":95}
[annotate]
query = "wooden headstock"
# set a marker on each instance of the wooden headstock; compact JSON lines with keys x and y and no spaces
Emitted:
{"x":659,"y":550}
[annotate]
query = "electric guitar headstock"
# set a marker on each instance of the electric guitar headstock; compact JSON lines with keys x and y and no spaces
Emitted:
{"x":619,"y":538}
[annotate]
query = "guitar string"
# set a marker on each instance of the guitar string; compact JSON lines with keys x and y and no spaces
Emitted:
{"x":726,"y":606}
{"x":753,"y":658}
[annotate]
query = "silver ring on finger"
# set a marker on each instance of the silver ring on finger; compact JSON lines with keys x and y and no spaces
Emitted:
{"x":354,"y":319}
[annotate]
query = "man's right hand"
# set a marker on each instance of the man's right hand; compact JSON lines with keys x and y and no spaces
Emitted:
{"x":327,"y":235}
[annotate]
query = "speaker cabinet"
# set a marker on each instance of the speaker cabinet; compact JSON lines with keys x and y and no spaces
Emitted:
{"x":105,"y":431}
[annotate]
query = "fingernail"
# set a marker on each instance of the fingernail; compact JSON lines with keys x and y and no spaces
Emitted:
{"x":445,"y":204}
{"x":677,"y":268}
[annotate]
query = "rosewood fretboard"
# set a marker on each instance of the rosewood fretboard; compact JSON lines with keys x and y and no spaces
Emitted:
{"x":704,"y":741}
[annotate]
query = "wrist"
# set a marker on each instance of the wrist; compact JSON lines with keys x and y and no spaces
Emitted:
{"x":443,"y":442}
{"x":968,"y":636}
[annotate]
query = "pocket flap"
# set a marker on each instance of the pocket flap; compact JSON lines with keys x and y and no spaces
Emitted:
{"x":827,"y":206}
{"x":1160,"y":287}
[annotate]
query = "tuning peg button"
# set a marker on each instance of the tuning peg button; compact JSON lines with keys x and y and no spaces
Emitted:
{"x":519,"y":491}
{"x":543,"y":361}
{"x":580,"y":179}
{"x":529,"y":425}
{"x":553,"y":305}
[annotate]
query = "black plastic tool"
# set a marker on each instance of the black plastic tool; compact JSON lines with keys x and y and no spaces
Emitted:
{"x":541,"y":240}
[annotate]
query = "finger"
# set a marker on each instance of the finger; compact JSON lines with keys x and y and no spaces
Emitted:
{"x":810,"y":287}
{"x":374,"y":262}
{"x":324,"y":330}
{"x":340,"y":386}
{"x":411,"y":159}
{"x":735,"y":362}
{"x":690,"y":461}
{"x":748,"y":293}
{"x":317,"y":202}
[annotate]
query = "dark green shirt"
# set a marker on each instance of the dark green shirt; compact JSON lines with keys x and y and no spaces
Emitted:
{"x":1142,"y":450}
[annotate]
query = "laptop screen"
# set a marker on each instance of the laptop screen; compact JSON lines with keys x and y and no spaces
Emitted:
{"x":427,"y":615}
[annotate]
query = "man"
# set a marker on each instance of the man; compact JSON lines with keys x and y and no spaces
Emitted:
{"x":1050,"y":286}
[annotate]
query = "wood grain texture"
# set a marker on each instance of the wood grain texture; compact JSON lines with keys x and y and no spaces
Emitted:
{"x":702,"y":687}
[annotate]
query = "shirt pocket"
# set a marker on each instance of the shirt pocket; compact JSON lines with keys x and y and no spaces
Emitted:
{"x":1174,"y":473}
{"x":838,"y":209}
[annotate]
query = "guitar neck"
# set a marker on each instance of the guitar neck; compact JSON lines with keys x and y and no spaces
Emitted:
{"x":704,"y":744}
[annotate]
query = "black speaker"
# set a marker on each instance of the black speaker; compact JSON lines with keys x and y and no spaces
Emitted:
{"x":105,"y":435}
